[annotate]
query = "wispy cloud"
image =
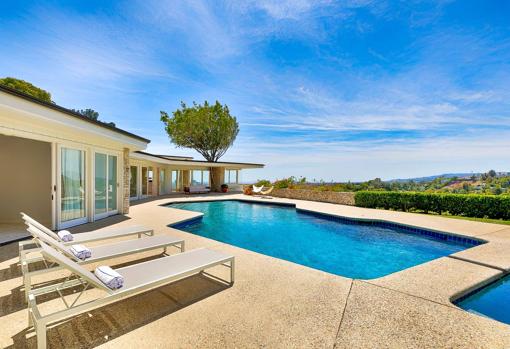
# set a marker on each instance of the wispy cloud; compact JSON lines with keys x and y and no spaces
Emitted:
{"x":361,"y":88}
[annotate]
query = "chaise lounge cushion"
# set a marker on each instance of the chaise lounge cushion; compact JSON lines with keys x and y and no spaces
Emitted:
{"x":199,"y":189}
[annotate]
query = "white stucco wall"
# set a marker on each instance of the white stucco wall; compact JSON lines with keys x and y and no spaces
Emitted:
{"x":25,"y":179}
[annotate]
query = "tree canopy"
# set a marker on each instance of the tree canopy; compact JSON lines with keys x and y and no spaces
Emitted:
{"x":90,"y":113}
{"x":27,"y":88}
{"x":209,"y":129}
{"x":93,"y":115}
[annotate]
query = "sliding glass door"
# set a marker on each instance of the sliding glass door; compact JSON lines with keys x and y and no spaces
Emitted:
{"x":176,"y":181}
{"x":162,"y":182}
{"x":145,"y":181}
{"x":72,"y":187}
{"x":105,"y":185}
{"x":133,"y":182}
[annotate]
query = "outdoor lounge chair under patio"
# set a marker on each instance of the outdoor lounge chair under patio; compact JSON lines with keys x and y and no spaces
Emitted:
{"x":138,"y":278}
{"x":103,"y":234}
{"x":265,"y":192}
{"x":98,"y":253}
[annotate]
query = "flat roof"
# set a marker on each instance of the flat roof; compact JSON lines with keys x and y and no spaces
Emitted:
{"x":175,"y":156}
{"x":56,"y":107}
{"x":191,"y":161}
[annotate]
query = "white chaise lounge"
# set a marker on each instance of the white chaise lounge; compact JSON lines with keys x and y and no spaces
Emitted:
{"x":99,"y":253}
{"x":138,"y":278}
{"x":103,"y":234}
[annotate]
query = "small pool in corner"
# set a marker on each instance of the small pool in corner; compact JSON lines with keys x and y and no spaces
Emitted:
{"x":336,"y":245}
{"x":491,"y":301}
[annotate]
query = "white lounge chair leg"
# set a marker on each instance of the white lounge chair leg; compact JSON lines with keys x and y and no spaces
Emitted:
{"x":27,"y":284}
{"x":40,"y":330}
{"x":232,"y":271}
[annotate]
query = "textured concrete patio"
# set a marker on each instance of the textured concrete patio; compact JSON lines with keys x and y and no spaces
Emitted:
{"x":279,"y":304}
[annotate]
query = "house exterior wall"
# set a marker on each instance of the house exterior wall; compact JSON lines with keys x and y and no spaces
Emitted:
{"x":25,"y":180}
{"x":58,"y":128}
{"x":125,"y":181}
{"x":32,"y":122}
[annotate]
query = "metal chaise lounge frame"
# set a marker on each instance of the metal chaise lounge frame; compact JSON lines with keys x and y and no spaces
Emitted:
{"x":99,"y":253}
{"x":138,"y":278}
{"x":97,"y":235}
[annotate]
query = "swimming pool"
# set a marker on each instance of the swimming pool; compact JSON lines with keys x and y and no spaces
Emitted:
{"x":492,"y":301}
{"x":341,"y":247}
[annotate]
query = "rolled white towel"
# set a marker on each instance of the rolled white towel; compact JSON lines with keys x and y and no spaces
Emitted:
{"x":81,"y":252}
{"x":109,"y":277}
{"x":65,"y":235}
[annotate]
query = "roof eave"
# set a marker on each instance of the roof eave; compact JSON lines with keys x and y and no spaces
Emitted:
{"x":56,"y":107}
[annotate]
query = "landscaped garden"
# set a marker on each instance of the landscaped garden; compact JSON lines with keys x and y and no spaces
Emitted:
{"x":484,"y":197}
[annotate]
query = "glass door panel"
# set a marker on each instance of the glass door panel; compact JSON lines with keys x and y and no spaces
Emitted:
{"x":133,"y":182}
{"x":112,"y":183}
{"x":100,"y":164}
{"x":145,"y":179}
{"x":174,"y":181}
{"x":205,"y":178}
{"x":105,"y":185}
{"x":72,"y":185}
{"x":162,"y":182}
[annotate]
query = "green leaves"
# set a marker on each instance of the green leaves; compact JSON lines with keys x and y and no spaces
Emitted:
{"x":481,"y":206}
{"x":27,"y":88}
{"x":90,"y":113}
{"x":209,"y":129}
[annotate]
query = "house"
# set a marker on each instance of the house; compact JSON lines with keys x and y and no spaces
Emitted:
{"x":65,"y":169}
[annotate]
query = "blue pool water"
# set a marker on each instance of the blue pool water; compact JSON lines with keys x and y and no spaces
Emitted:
{"x":492,"y":301}
{"x":353,"y":250}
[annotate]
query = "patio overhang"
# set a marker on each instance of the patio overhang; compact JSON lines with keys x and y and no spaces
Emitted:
{"x":190,"y":163}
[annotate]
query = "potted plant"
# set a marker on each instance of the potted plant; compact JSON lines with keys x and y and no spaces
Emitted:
{"x":248,"y":190}
{"x":224,"y":188}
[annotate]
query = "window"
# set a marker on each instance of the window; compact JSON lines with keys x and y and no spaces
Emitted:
{"x":205,"y":178}
{"x":200,"y":177}
{"x":72,"y":182}
{"x":196,"y":178}
{"x":231,"y":176}
{"x":133,"y":181}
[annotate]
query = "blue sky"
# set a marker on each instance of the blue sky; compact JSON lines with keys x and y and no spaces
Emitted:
{"x":347,"y":90}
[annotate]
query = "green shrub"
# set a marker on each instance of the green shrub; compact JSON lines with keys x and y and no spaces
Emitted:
{"x":469,"y":205}
{"x":289,"y":183}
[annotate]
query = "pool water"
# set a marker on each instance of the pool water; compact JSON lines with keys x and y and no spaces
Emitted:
{"x":492,"y":301}
{"x":354,"y":250}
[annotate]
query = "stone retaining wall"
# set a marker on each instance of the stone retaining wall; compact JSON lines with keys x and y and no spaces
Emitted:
{"x":343,"y":198}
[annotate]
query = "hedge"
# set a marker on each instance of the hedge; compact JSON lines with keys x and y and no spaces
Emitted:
{"x":469,"y":205}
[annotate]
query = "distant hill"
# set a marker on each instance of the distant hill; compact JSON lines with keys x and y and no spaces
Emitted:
{"x":431,"y":178}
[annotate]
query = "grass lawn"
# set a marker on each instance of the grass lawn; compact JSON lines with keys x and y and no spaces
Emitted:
{"x":485,"y":220}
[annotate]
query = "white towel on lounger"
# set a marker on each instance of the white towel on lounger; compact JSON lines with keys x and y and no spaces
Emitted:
{"x":81,"y":252}
{"x":65,"y":235}
{"x":109,"y":277}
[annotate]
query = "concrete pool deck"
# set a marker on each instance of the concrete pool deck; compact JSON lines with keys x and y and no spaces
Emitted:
{"x":275,"y":303}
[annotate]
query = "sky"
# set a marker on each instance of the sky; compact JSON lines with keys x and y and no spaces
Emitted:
{"x":328,"y":90}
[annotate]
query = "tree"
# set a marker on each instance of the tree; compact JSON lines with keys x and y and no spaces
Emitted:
{"x":492,"y":173}
{"x":27,"y":88}
{"x":90,"y":113}
{"x":209,"y":129}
